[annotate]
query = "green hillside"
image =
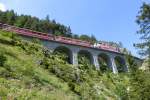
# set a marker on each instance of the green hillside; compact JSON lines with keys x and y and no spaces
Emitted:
{"x":31,"y":72}
{"x":28,"y":71}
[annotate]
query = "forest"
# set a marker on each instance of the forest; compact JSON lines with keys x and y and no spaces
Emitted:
{"x":42,"y":25}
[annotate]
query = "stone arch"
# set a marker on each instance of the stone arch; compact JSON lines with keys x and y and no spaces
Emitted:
{"x":87,"y":55}
{"x":104,"y":61}
{"x":66,"y":51}
{"x":120,"y":64}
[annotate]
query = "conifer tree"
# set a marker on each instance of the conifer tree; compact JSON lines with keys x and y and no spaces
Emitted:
{"x":139,"y":79}
{"x":143,"y":20}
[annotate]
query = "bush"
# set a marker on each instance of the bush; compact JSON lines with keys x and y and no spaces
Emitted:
{"x":2,"y":59}
{"x":15,"y":39}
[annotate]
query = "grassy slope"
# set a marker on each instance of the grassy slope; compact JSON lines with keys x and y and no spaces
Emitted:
{"x":23,"y":78}
{"x":19,"y":75}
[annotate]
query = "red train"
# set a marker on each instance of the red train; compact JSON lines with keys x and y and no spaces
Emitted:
{"x":106,"y":46}
{"x":45,"y":36}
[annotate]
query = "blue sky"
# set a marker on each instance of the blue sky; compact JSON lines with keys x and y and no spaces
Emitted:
{"x":110,"y":20}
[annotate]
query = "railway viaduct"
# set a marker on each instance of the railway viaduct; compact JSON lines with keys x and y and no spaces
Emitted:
{"x":115,"y":60}
{"x":111,"y":58}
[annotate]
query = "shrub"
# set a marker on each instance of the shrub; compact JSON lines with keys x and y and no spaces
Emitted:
{"x":36,"y":41}
{"x":2,"y":59}
{"x":15,"y":40}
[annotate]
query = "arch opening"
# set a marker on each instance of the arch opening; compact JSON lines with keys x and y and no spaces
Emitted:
{"x":65,"y":53}
{"x":120,"y":64}
{"x":85,"y":57}
{"x":104,"y":62}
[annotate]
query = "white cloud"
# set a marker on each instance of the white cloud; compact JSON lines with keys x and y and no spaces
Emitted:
{"x":2,"y":7}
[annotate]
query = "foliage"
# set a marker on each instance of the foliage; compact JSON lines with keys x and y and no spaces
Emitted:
{"x":104,"y":68}
{"x":139,"y":80}
{"x":131,"y":62}
{"x":2,"y":59}
{"x":143,"y":20}
{"x":14,"y":39}
{"x":90,"y":39}
{"x":103,"y":64}
{"x":21,"y":77}
{"x":139,"y":85}
{"x":84,"y":80}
